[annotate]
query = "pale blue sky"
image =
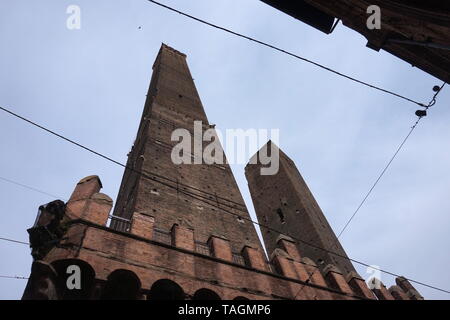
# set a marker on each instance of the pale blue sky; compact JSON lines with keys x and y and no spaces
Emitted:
{"x":90,"y":85}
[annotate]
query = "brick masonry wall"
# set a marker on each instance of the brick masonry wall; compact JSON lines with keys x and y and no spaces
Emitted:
{"x":107,"y":251}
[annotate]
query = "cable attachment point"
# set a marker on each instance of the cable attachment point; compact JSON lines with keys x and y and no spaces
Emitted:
{"x":421,"y":113}
{"x":436,"y":88}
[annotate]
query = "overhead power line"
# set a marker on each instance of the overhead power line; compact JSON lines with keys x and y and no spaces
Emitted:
{"x":364,"y":199}
{"x":12,"y":240}
{"x":430,"y":104}
{"x":29,"y":187}
{"x":379,"y":177}
{"x":289,"y":53}
{"x":14,"y":277}
{"x":211,"y":202}
{"x":108,"y":158}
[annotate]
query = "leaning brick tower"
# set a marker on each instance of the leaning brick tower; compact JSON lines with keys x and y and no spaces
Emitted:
{"x":284,"y":202}
{"x":178,"y":231}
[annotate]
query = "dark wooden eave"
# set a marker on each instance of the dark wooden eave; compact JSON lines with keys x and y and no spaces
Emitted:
{"x":415,"y":31}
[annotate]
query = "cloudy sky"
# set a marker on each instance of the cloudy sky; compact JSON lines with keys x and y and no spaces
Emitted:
{"x":90,"y":85}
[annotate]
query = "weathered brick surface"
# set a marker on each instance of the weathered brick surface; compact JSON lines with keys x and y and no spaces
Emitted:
{"x":289,"y":246}
{"x":359,"y":286}
{"x":284,"y":202}
{"x":284,"y":266}
{"x":87,"y":203}
{"x":408,"y":288}
{"x":316,"y":277}
{"x":221,"y":248}
{"x":85,"y":188}
{"x":335,"y":279}
{"x":382,"y":293}
{"x":183,"y":237}
{"x":398,"y":293}
{"x":305,"y":291}
{"x":98,"y":208}
{"x":142,"y":225}
{"x":255,"y":258}
{"x":199,"y":194}
{"x":108,"y":251}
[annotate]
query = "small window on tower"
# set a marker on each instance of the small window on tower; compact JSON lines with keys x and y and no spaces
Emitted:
{"x":280,"y":215}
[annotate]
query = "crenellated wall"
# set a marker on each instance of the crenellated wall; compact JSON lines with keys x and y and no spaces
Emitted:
{"x":143,"y":262}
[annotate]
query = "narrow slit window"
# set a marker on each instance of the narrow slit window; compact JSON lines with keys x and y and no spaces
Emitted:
{"x":281,"y":215}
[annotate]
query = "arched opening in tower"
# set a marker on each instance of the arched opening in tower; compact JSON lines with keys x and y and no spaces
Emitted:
{"x":165,"y":289}
{"x":238,"y":298}
{"x":76,"y":279}
{"x":205,"y":294}
{"x":122,"y":285}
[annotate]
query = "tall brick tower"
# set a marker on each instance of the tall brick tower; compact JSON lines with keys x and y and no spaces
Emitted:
{"x":195,"y":196}
{"x":179,"y":231}
{"x":284,"y":202}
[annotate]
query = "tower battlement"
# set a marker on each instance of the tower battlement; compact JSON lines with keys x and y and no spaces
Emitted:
{"x":152,"y":261}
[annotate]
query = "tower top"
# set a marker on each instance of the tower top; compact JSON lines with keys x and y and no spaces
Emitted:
{"x":166,"y":50}
{"x":170,"y":49}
